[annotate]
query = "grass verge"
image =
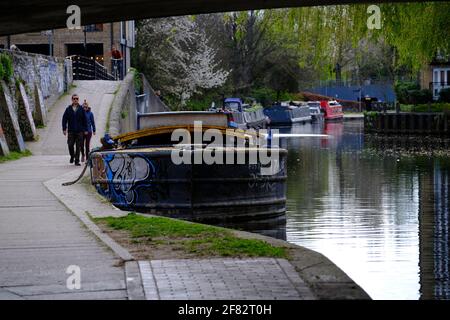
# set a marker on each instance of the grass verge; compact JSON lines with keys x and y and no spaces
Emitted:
{"x":14,"y":155}
{"x":148,"y":236}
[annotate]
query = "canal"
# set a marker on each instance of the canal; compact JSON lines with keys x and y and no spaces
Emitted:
{"x":383,"y":219}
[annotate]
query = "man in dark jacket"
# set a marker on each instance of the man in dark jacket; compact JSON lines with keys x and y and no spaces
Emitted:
{"x":74,"y":125}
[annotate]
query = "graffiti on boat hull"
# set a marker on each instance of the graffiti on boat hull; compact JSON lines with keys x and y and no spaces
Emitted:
{"x":119,"y":175}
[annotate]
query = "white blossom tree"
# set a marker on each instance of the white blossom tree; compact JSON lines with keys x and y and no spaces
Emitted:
{"x":179,"y":56}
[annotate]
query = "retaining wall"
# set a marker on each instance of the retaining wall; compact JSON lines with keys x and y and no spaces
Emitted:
{"x":37,"y":83}
{"x":407,"y":123}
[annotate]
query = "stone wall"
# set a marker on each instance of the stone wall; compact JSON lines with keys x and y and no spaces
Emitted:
{"x":124,"y":111}
{"x":123,"y":115}
{"x":38,"y":81}
{"x":53,"y":75}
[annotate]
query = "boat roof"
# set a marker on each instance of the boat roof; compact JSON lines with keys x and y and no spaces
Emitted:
{"x":127,"y":137}
{"x":181,"y":118}
{"x":233,"y":100}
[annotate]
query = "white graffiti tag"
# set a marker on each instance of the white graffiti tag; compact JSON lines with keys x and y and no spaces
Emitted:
{"x":127,"y":172}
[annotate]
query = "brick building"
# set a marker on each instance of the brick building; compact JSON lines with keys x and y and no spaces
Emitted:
{"x":94,"y":41}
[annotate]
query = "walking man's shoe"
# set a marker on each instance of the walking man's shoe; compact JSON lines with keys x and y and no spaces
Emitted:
{"x":77,"y":164}
{"x":71,"y":159}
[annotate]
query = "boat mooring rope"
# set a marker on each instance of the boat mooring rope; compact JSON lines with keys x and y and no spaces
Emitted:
{"x":65,"y":184}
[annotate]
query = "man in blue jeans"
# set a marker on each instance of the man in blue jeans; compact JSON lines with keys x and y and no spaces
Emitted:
{"x":74,"y":125}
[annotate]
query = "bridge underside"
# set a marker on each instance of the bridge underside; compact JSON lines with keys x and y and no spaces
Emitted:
{"x":20,"y":16}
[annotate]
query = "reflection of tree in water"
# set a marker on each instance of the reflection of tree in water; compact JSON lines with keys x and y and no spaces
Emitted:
{"x":434,"y":230}
{"x":340,"y":175}
{"x":339,"y":193}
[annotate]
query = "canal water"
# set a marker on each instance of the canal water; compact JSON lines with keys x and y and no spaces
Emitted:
{"x":383,"y":219}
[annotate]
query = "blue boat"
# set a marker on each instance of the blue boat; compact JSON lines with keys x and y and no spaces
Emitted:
{"x":283,"y":114}
{"x":242,"y":116}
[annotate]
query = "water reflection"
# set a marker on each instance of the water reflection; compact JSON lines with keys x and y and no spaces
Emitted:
{"x":434,"y":234}
{"x":383,"y":220}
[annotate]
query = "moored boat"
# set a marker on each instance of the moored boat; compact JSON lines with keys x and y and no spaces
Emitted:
{"x":138,"y":173}
{"x":285,"y":114}
{"x":332,"y":110}
{"x":242,"y":115}
{"x":315,"y":111}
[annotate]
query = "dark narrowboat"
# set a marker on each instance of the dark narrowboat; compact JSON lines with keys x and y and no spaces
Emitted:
{"x":284,"y":114}
{"x":138,"y":173}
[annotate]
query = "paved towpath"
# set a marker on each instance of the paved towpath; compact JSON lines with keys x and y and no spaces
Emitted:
{"x":39,"y":237}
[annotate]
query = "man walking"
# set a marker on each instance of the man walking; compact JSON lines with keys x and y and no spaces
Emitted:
{"x":74,"y":125}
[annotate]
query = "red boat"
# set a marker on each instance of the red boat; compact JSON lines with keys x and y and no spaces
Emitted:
{"x":332,"y":110}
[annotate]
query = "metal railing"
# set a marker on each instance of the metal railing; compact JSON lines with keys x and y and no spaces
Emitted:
{"x":88,"y":69}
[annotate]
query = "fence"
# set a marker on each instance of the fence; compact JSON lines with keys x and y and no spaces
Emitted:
{"x":384,"y":91}
{"x":88,"y":69}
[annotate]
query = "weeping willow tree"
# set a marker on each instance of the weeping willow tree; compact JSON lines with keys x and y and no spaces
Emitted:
{"x":331,"y":37}
{"x":285,"y":49}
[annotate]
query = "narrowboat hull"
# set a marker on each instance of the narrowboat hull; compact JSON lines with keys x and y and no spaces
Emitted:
{"x":146,"y":180}
{"x":250,"y":119}
{"x":280,"y":115}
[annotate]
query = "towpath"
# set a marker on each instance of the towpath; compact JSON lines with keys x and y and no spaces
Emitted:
{"x":40,"y":239}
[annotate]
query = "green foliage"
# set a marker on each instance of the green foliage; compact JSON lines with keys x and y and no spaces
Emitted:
{"x":138,"y":85}
{"x":282,"y":50}
{"x":7,"y":66}
{"x":430,"y":107}
{"x":2,"y":72}
{"x":444,"y":95}
{"x":420,"y":96}
{"x":201,"y":103}
{"x":410,"y":93}
{"x":268,"y":96}
{"x":194,"y":238}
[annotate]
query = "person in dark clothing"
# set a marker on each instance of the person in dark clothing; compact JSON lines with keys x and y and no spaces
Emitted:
{"x":74,"y":125}
{"x":117,"y":60}
{"x":85,"y":148}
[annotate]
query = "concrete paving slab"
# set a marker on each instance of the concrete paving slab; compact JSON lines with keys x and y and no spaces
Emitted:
{"x":235,"y":279}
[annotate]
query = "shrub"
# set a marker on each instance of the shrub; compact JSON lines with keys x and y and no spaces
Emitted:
{"x":2,"y":72}
{"x":420,"y":96}
{"x":429,"y":107}
{"x":8,"y":70}
{"x":444,"y":95}
{"x":402,"y":89}
{"x":267,"y":96}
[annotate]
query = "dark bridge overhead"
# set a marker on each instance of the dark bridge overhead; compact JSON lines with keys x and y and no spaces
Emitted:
{"x":19,"y":16}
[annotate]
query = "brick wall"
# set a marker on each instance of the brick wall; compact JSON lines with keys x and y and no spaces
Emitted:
{"x":62,"y":37}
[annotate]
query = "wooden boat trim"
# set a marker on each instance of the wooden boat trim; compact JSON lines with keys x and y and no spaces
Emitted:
{"x":168,"y":129}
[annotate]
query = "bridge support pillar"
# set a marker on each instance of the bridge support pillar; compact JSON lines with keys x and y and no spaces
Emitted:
{"x":26,"y":121}
{"x":4,"y":150}
{"x":9,"y":121}
{"x":40,"y":112}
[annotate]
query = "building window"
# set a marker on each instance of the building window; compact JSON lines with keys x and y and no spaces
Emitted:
{"x":94,"y":27}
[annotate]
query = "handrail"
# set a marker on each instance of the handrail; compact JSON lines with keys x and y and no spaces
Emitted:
{"x":88,"y":69}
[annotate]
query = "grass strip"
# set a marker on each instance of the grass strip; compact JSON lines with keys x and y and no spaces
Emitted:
{"x":193,"y":238}
{"x":14,"y":155}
